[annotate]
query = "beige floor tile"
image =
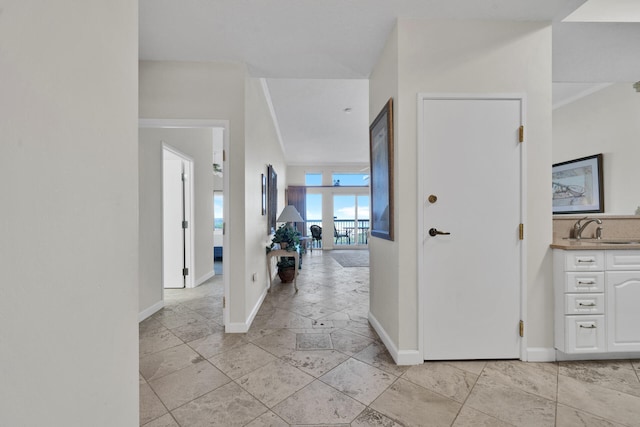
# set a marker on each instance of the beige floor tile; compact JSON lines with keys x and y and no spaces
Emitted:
{"x":570,"y":417}
{"x":242,"y":360}
{"x":172,"y":317}
{"x":167,"y":361}
{"x":362,"y":329}
{"x":318,"y":403}
{"x":315,"y":362}
{"x":228,"y":406}
{"x":152,"y":341}
{"x":288,"y":319}
{"x":150,"y":405}
{"x":600,"y":401}
{"x":164,"y":421}
{"x":473,"y":366}
{"x":358,"y":380}
{"x":371,"y":418}
{"x":445,"y":379}
{"x":469,"y":417}
{"x":511,"y":404}
{"x":196,"y":330}
{"x":313,"y":342}
{"x":348,"y":342}
{"x":376,"y":354}
{"x":279,"y":343}
{"x":268,"y":419}
{"x":274,"y":382}
{"x":411,"y":405}
{"x":184,"y":385}
{"x":537,"y":378}
{"x":216,"y":343}
{"x":618,"y":375}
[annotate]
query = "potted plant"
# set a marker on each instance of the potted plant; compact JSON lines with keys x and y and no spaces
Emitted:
{"x":288,"y":238}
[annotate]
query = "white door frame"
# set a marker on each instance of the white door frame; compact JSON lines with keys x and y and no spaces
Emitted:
{"x":188,"y":123}
{"x":422,"y":201}
{"x":189,"y":248}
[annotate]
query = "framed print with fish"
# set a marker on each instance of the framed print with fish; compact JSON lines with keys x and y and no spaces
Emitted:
{"x":578,"y":186}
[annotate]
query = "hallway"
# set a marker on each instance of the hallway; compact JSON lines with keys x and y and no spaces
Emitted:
{"x":312,"y":359}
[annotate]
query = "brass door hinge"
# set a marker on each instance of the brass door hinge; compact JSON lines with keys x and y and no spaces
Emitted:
{"x":521,"y":328}
{"x":224,"y":302}
{"x":521,"y":134}
{"x":521,"y":232}
{"x":224,"y":155}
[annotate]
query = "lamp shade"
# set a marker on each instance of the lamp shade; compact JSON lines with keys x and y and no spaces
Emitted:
{"x":290,"y":214}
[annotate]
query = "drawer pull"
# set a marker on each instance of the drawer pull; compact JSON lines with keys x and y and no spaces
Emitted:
{"x":591,"y":304}
{"x":588,"y":327}
{"x":590,"y":282}
{"x":587,"y":260}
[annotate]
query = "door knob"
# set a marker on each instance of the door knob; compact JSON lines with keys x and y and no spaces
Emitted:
{"x":435,"y":232}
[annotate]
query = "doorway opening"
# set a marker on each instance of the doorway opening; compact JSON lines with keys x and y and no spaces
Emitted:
{"x":350,"y":220}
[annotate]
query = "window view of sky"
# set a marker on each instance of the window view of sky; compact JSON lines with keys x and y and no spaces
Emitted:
{"x":353,"y":179}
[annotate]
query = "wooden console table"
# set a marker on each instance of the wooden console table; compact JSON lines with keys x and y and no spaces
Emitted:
{"x":283,"y":253}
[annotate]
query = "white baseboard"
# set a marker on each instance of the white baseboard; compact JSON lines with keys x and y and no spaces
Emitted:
{"x":597,"y":356}
{"x":150,"y":311}
{"x":204,"y":278}
{"x":541,"y":354}
{"x":243,"y":327}
{"x":401,"y":357}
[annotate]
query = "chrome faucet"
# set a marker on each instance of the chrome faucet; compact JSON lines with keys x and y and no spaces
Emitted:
{"x":579,"y":227}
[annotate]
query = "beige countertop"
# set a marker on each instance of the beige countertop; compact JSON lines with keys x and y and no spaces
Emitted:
{"x":586,"y":244}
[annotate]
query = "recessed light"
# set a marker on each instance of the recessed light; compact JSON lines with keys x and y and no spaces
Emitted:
{"x":347,"y":110}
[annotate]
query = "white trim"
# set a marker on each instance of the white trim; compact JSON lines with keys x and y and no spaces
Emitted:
{"x":272,"y":110}
{"x":204,"y":278}
{"x":540,"y":354}
{"x":560,"y":356}
{"x":401,"y":357}
{"x":421,"y":203}
{"x":241,"y":328}
{"x":182,"y":123}
{"x":149,"y":311}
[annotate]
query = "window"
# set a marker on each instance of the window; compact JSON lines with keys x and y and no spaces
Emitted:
{"x":218,"y":203}
{"x":312,"y":179}
{"x":350,"y":179}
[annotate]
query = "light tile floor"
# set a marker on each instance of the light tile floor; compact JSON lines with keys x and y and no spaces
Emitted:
{"x":311,"y":359}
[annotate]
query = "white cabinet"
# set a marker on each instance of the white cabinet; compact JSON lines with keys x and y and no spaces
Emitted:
{"x":597,"y":300}
{"x":623,"y":310}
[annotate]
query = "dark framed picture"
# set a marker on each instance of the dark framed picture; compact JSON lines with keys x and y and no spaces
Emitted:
{"x":578,"y":186}
{"x":272,"y":199}
{"x":263,"y":182}
{"x":381,"y":179}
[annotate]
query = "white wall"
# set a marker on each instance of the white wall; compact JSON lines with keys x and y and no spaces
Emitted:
{"x":466,"y":57}
{"x":605,"y":122}
{"x":69,"y":213}
{"x":384,"y":259}
{"x":262,"y":148}
{"x":200,"y":90}
{"x":198,"y":144}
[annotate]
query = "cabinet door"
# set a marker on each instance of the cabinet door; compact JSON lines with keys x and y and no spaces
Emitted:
{"x":585,"y":334}
{"x":623,"y":310}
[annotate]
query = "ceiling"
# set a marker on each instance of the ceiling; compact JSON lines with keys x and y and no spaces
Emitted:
{"x":316,"y":55}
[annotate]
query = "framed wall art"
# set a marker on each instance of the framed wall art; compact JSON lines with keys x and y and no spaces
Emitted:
{"x":578,"y":186}
{"x":381,"y":158}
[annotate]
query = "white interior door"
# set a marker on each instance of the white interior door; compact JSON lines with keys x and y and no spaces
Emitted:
{"x":471,"y":277}
{"x":175,"y":211}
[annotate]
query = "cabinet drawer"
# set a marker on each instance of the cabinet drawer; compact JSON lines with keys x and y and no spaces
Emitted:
{"x":584,"y":260}
{"x":584,"y":282}
{"x":584,"y":304}
{"x":585,"y":334}
{"x":623,"y":260}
